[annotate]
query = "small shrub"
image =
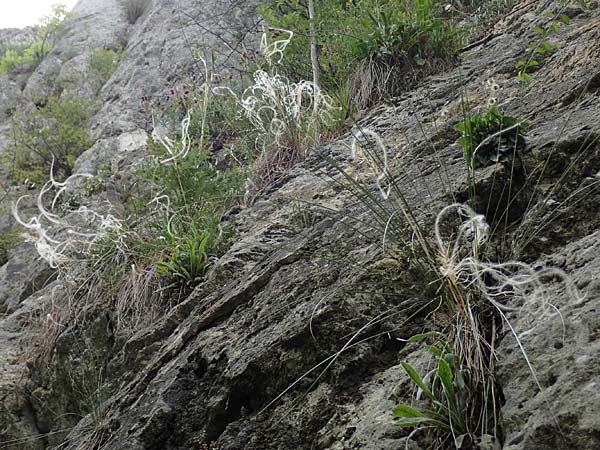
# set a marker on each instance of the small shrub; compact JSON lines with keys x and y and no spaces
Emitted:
{"x":103,"y":63}
{"x":488,"y":137}
{"x":134,"y":9}
{"x":52,"y":136}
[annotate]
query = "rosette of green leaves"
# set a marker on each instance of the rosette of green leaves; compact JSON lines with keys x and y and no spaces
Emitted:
{"x":488,"y":137}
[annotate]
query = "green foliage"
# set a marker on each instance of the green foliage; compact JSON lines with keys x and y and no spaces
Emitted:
{"x":134,"y":9}
{"x":9,"y":239}
{"x":224,"y":127}
{"x":188,"y":251}
{"x":103,"y":63}
{"x":443,"y":390}
{"x":387,"y":32}
{"x":194,"y":193}
{"x":53,"y":135}
{"x":26,"y":59}
{"x":542,"y":48}
{"x":488,"y":137}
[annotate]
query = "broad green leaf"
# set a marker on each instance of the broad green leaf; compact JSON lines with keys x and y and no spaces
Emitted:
{"x":406,"y":411}
{"x":412,"y":373}
{"x":434,"y":350}
{"x":524,"y":77}
{"x":445,"y":375}
{"x":416,"y":421}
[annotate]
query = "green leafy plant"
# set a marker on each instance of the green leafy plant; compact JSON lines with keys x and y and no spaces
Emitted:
{"x":103,"y":62}
{"x":52,"y":136}
{"x":443,"y":390}
{"x":379,"y":44}
{"x":27,"y":58}
{"x":542,"y":47}
{"x":192,"y":186}
{"x":490,"y":136}
{"x":188,"y":258}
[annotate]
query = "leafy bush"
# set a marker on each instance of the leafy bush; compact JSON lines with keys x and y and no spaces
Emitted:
{"x":103,"y":63}
{"x":134,"y":9}
{"x":26,"y":59}
{"x":488,"y":137}
{"x":52,"y":136}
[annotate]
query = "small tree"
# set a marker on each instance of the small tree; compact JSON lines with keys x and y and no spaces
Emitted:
{"x":46,"y":31}
{"x":54,"y":134}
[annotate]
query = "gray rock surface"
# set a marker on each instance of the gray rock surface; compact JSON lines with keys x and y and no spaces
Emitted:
{"x":565,"y":355}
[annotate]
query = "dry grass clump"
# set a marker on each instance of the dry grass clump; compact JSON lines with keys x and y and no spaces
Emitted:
{"x":134,"y":9}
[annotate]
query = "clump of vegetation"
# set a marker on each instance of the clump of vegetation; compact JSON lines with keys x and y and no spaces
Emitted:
{"x":9,"y":239}
{"x":52,"y":136}
{"x":542,"y":48}
{"x":26,"y":59}
{"x":449,"y":274}
{"x":490,"y":136}
{"x":286,"y":117}
{"x":443,"y":389}
{"x":134,"y":9}
{"x":103,"y":63}
{"x":377,"y":44}
{"x":191,"y":195}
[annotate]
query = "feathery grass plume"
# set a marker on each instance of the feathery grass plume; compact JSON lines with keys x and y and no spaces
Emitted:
{"x":471,"y":285}
{"x":361,"y":139}
{"x":173,"y":149}
{"x":276,"y":47}
{"x":473,"y":295}
{"x":282,"y":113}
{"x":500,"y":284}
{"x":62,"y":238}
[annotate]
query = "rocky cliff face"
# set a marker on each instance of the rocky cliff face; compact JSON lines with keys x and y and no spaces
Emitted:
{"x":294,"y":339}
